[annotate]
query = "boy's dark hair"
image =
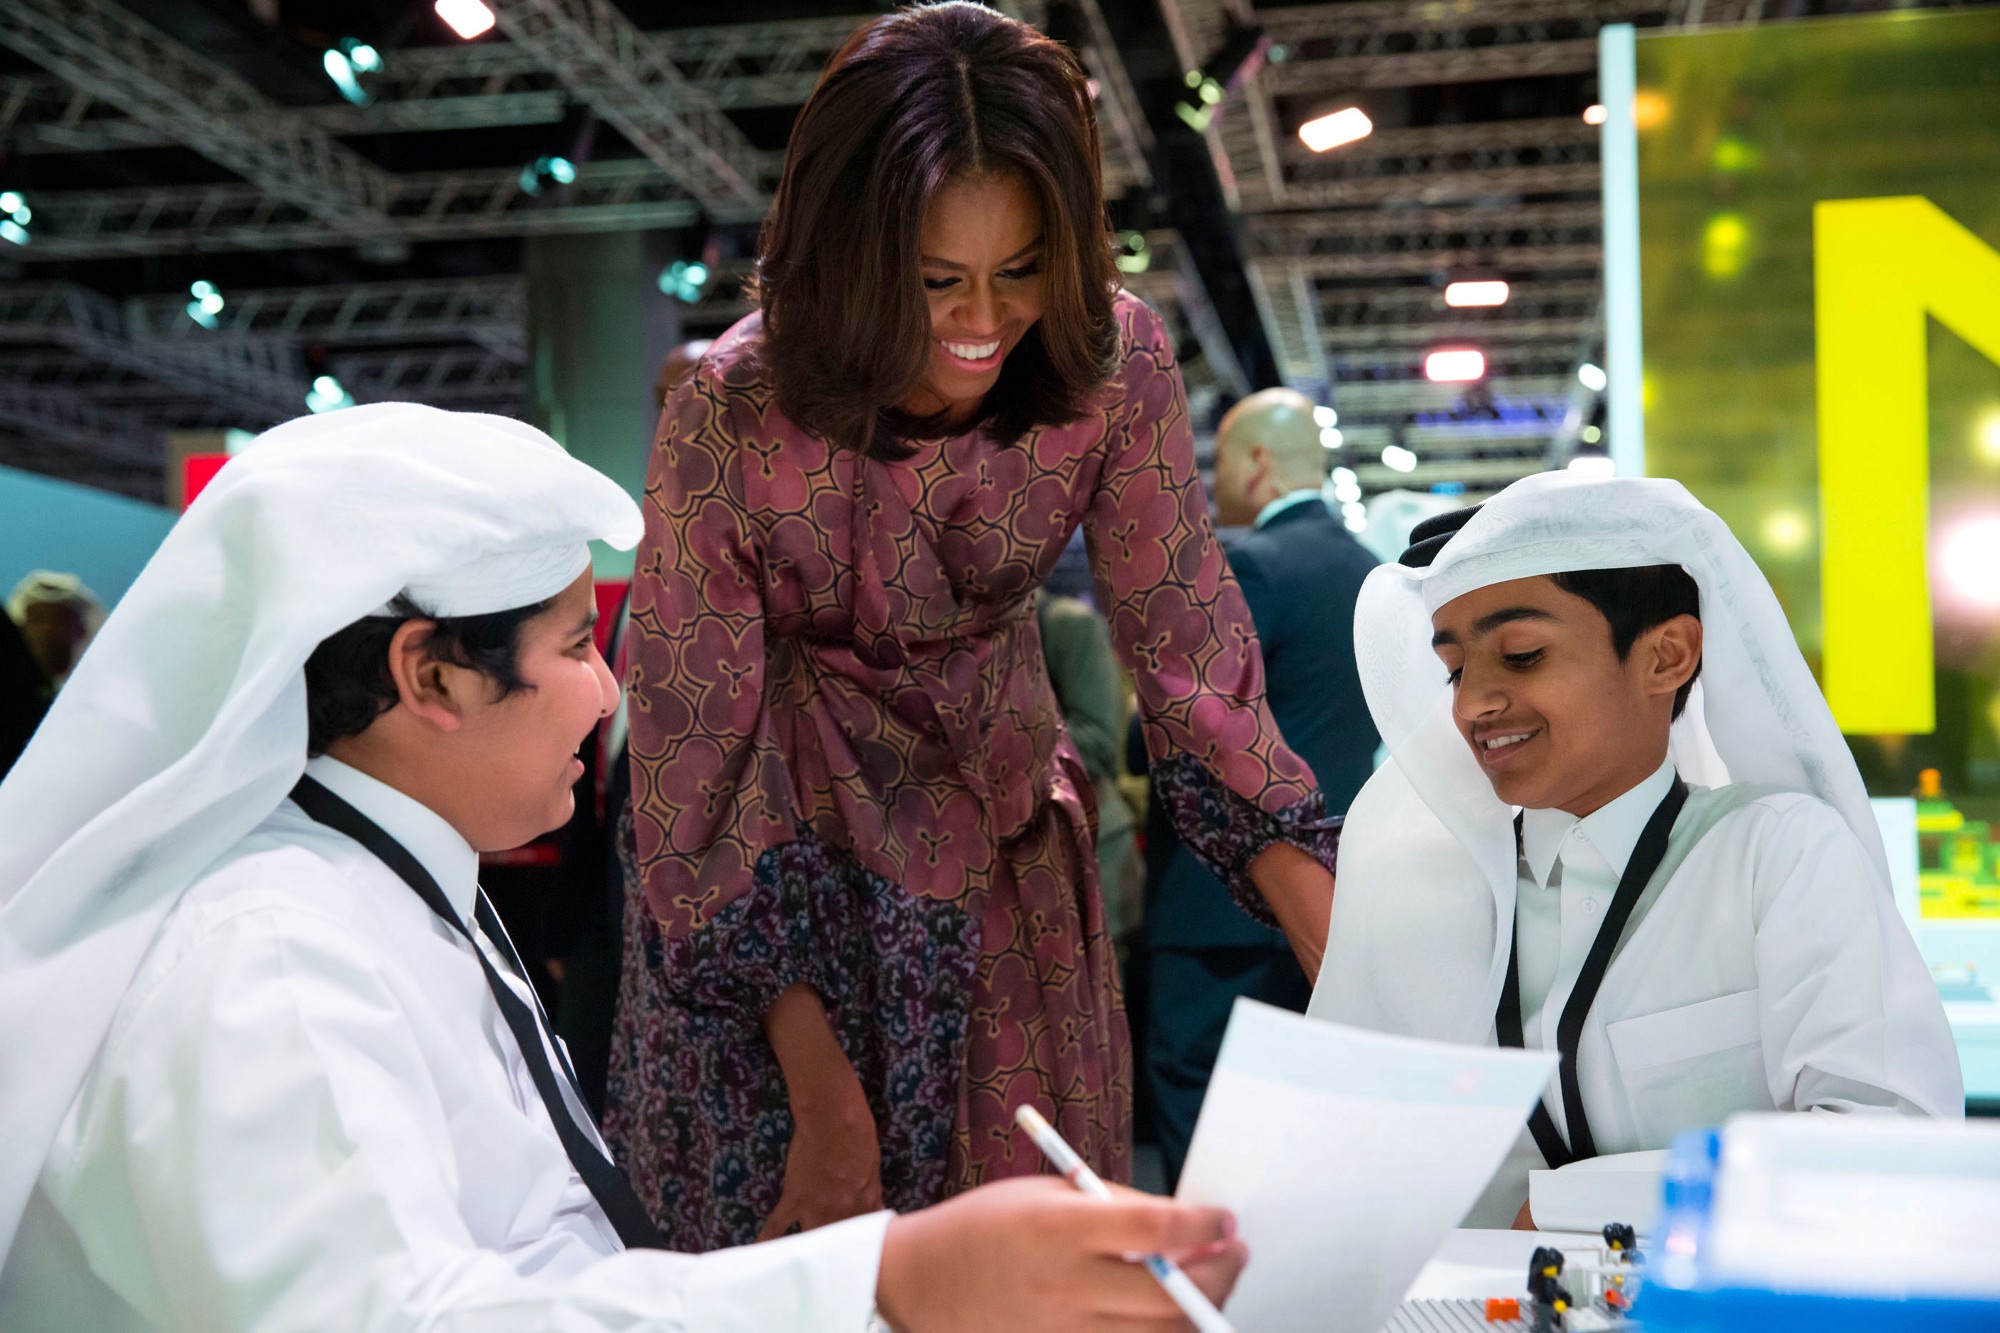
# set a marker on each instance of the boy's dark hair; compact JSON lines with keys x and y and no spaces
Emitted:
{"x":1634,"y":601}
{"x":1631,"y":600}
{"x":348,"y":684}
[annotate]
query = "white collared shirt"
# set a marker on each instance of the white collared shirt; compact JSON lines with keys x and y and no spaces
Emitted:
{"x":1570,"y":870}
{"x":310,"y":1114}
{"x":1764,"y":968}
{"x":1286,"y":501}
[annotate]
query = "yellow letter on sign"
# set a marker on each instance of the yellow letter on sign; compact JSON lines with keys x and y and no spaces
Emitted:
{"x":1879,"y":267}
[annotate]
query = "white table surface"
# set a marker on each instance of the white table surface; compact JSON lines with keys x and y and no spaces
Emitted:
{"x":1475,"y":1265}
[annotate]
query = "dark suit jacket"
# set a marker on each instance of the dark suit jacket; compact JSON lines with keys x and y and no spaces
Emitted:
{"x":1300,"y":573}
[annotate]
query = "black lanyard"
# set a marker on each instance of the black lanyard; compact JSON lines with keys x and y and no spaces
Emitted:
{"x":627,"y":1215}
{"x":1647,"y":854}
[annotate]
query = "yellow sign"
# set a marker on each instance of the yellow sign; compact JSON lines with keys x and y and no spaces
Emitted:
{"x":1880,"y":267}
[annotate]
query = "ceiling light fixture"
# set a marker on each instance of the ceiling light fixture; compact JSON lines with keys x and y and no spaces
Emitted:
{"x":1475,"y":293}
{"x":1330,"y":131}
{"x":467,"y":18}
{"x":1455,"y":365}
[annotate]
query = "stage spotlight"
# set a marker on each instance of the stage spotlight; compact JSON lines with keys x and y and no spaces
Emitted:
{"x":1593,"y":463}
{"x":14,"y":225}
{"x":1591,"y":377}
{"x":1324,"y":416}
{"x":1968,"y":552}
{"x":1135,"y":254}
{"x":328,"y":395}
{"x":1398,"y":459}
{"x":1240,"y":56}
{"x":467,"y":18}
{"x":1475,"y":293}
{"x":1344,"y":126}
{"x":1455,"y":365}
{"x":346,"y":63}
{"x":684,"y":280}
{"x":558,"y":169}
{"x":1331,"y":437}
{"x":1594,"y":114}
{"x":206,"y":304}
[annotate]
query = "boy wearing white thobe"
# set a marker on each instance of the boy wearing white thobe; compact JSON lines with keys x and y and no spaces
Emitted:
{"x":273,"y":1064}
{"x":1532,"y":666}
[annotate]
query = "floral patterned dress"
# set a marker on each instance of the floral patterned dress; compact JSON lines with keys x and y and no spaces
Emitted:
{"x":849,"y":770}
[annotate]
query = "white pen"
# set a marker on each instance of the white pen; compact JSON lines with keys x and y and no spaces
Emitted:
{"x":1165,"y":1271}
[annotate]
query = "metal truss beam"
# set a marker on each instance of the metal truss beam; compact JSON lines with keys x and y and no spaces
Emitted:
{"x":1172,"y":283}
{"x":1490,"y":474}
{"x":1308,"y":78}
{"x":1506,"y":143}
{"x":1387,"y":241}
{"x":67,"y":419}
{"x":1445,"y":187}
{"x":1378,"y":398}
{"x":451,"y":377}
{"x":46,"y":115}
{"x":610,"y":65}
{"x":1421,"y":223}
{"x":1485,"y":333}
{"x":1512,"y":259}
{"x":1407,"y":43}
{"x":264,"y":380}
{"x":1285,"y":302}
{"x":489,"y":311}
{"x":607,"y":196}
{"x":106,"y":51}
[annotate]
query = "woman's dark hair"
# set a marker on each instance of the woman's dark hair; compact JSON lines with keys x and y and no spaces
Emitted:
{"x":1635,"y":600}
{"x":914,"y":101}
{"x":348,"y":684}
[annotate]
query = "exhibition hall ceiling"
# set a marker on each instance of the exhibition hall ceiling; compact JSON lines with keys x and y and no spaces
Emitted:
{"x":229,"y":202}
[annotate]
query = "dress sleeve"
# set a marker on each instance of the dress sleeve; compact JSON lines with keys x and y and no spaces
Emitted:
{"x":711,"y":791}
{"x":1181,"y":625}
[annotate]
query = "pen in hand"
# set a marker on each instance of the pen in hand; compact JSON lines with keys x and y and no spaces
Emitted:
{"x":1165,"y":1271}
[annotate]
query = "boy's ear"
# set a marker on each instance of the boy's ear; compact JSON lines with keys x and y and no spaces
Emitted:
{"x":425,"y":687}
{"x":1674,"y":649}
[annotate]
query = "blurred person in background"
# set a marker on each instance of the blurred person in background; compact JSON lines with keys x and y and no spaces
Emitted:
{"x":24,"y":694}
{"x":597,"y":871}
{"x":57,"y":615}
{"x":1300,"y":570}
{"x":1083,"y":671}
{"x":869,"y":922}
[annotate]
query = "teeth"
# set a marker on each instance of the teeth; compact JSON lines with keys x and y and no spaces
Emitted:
{"x":972,"y":351}
{"x":1502,"y":742}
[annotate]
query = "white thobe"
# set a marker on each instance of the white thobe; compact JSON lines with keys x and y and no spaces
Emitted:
{"x":309,"y":1114}
{"x":1765,"y":967}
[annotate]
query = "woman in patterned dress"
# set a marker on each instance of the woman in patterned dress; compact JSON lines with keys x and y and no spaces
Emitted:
{"x":865,"y":921}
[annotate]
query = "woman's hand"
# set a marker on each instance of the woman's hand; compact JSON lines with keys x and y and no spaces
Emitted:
{"x":833,"y":1170}
{"x":834,"y":1167}
{"x":1033,"y":1255}
{"x":1300,"y":892}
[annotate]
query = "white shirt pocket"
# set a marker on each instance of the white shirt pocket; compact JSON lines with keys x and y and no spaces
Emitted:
{"x":1691,"y":1067}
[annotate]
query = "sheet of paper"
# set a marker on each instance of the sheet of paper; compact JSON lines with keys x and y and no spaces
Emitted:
{"x":1347,"y":1156}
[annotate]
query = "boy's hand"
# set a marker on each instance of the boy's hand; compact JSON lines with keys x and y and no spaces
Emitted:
{"x":1035,"y":1256}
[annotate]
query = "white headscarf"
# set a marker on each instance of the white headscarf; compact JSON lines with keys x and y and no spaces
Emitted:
{"x":1428,"y":828}
{"x":185,"y":725}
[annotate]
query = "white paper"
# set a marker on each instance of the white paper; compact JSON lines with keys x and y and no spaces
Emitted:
{"x":1347,"y":1156}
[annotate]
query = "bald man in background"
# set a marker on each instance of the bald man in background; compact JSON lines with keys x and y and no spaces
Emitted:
{"x":1301,"y":571}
